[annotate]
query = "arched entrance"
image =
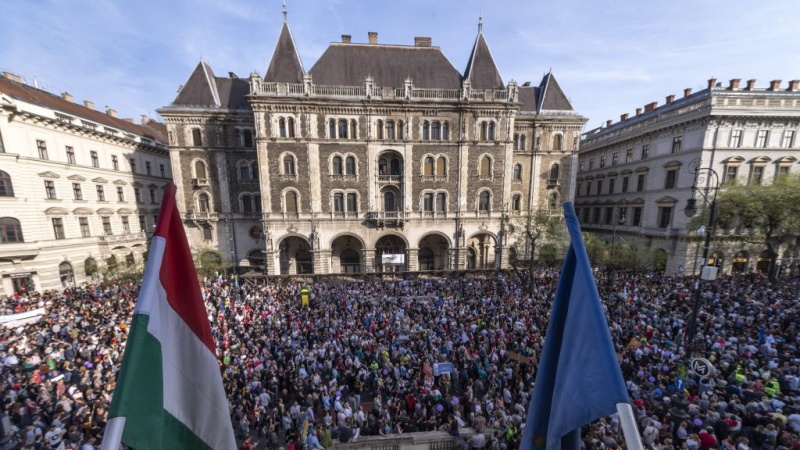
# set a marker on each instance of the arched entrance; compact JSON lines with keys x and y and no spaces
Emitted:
{"x":740,"y":261}
{"x":346,"y":254}
{"x":66,"y":274}
{"x":660,"y":258}
{"x":130,"y":259}
{"x":90,"y":267}
{"x":432,"y":254}
{"x":764,"y":262}
{"x":482,"y":251}
{"x":256,"y":259}
{"x":111,"y":265}
{"x":390,"y":254}
{"x":295,"y":256}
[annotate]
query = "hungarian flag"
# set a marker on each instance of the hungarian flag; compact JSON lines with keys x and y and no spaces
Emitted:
{"x":169,"y":392}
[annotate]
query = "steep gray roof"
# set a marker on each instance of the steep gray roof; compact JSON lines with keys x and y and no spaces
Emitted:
{"x":200,"y":88}
{"x":528,"y":96}
{"x":232,"y":92}
{"x":389,"y":65}
{"x":552,"y":97}
{"x":285,"y":66}
{"x":481,"y":70}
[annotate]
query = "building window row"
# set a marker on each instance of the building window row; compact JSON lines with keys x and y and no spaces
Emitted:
{"x":341,"y":165}
{"x":286,"y":127}
{"x":250,"y":202}
{"x":434,"y":166}
{"x":519,"y":142}
{"x":247,"y":170}
{"x":342,"y":129}
{"x":435,"y":131}
{"x":390,"y":130}
{"x":345,"y":203}
{"x":434,"y":203}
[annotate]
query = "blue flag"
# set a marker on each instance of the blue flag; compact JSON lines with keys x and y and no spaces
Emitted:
{"x":578,"y":379}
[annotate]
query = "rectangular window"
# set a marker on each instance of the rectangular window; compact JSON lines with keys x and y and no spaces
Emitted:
{"x":126,"y":226}
{"x":142,"y":223}
{"x":42,"y":147}
{"x":120,"y":194}
{"x":338,"y":203}
{"x":70,"y":155}
{"x":615,"y":158}
{"x":148,"y":168}
{"x":756,"y":175}
{"x":676,"y":144}
{"x":611,"y":183}
{"x":761,"y":138}
{"x":115,"y":162}
{"x":671,"y":177}
{"x":736,"y":138}
{"x":629,"y":155}
{"x":640,"y":183}
{"x":107,"y":226}
{"x":625,"y":184}
{"x":427,"y":203}
{"x":50,"y":189}
{"x":137,"y":193}
{"x":101,"y":193}
{"x":599,"y":187}
{"x":637,"y":216}
{"x":602,"y":161}
{"x":783,"y":170}
{"x":731,"y":173}
{"x":352,"y":204}
{"x":580,"y":166}
{"x":163,"y":170}
{"x":645,"y":151}
{"x":588,"y":188}
{"x":76,"y":191}
{"x":591,"y":163}
{"x":155,"y":220}
{"x":152,"y":196}
{"x":609,"y":214}
{"x":597,"y":212}
{"x":84,"y":224}
{"x":788,"y":139}
{"x":578,"y":187}
{"x":133,"y":165}
{"x":664,"y":216}
{"x":95,"y":159}
{"x":58,"y":227}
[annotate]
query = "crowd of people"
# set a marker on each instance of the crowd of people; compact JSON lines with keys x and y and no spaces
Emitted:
{"x":364,"y":358}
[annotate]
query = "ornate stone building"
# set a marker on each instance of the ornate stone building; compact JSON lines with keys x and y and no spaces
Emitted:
{"x":80,"y":189}
{"x":635,"y":175}
{"x":379,"y":158}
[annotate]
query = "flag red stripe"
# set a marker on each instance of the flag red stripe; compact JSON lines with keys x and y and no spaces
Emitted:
{"x":177,"y":274}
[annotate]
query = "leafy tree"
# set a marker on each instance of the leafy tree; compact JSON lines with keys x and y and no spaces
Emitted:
{"x":537,"y":227}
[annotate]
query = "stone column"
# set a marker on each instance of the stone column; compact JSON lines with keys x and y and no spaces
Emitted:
{"x":413,"y":260}
{"x":322,"y":260}
{"x":368,"y":259}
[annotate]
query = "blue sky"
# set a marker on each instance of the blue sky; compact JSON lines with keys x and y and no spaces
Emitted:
{"x":610,"y":56}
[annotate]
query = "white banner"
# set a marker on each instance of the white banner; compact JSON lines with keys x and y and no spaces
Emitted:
{"x":15,"y":320}
{"x":393,"y":258}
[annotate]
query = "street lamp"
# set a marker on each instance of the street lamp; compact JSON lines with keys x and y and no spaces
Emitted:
{"x":712,"y":183}
{"x":701,"y":231}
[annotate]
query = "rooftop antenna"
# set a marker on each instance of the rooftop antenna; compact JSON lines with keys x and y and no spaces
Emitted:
{"x":284,"y":11}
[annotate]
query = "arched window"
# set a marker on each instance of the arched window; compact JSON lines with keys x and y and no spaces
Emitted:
{"x":517,"y":172}
{"x":427,"y":202}
{"x":383,"y":167}
{"x":353,"y":129}
{"x":290,"y":127}
{"x":558,"y":142}
{"x":522,"y":142}
{"x":516,"y":202}
{"x":248,"y":138}
{"x":401,"y":130}
{"x":197,"y":138}
{"x":288,"y":165}
{"x":10,"y":230}
{"x":244,"y":171}
{"x":332,"y":129}
{"x":390,"y":129}
{"x":337,"y":165}
{"x":290,"y":200}
{"x":388,"y":201}
{"x":555,"y":171}
{"x":486,"y":167}
{"x":352,"y":202}
{"x":350,"y":165}
{"x":342,"y":129}
{"x":379,"y":130}
{"x":441,"y":202}
{"x":282,"y":127}
{"x":483,"y":201}
{"x":338,"y":202}
{"x":446,"y":131}
{"x":89,"y":267}
{"x":484,"y":128}
{"x":516,"y":141}
{"x":491,"y":131}
{"x":239,"y":139}
{"x":6,"y":189}
{"x":441,"y":166}
{"x":436,"y":131}
{"x":394,"y":166}
{"x":426,"y":131}
{"x":427,"y":167}
{"x":552,"y":201}
{"x":254,"y":170}
{"x":247,"y":203}
{"x":257,"y":202}
{"x":203,"y":203}
{"x":200,"y":170}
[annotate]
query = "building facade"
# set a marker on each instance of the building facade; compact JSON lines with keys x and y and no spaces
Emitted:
{"x":635,"y":176}
{"x":80,"y":189}
{"x":379,"y":158}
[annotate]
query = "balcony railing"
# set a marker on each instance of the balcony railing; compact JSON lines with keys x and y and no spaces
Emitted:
{"x":119,"y":238}
{"x":390,"y":179}
{"x":202,"y":215}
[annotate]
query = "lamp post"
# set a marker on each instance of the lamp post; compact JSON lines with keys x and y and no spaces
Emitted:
{"x":690,"y":211}
{"x":701,"y":231}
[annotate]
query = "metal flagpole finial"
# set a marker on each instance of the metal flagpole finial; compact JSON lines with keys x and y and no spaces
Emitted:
{"x":284,"y":11}
{"x":480,"y":20}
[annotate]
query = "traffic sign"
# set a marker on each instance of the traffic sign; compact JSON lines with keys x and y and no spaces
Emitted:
{"x":680,"y":384}
{"x":702,"y":367}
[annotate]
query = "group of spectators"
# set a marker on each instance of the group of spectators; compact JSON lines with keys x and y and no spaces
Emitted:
{"x":364,"y":358}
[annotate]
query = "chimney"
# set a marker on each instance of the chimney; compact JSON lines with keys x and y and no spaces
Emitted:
{"x":420,"y":41}
{"x":608,"y":123}
{"x":638,"y":111}
{"x":88,"y":104}
{"x":66,"y":96}
{"x":111,"y":112}
{"x":12,"y":77}
{"x":775,"y":85}
{"x":751,"y":84}
{"x":670,"y":99}
{"x":346,"y":39}
{"x":650,"y":106}
{"x":623,"y":117}
{"x":793,"y":85}
{"x":712,"y":82}
{"x":734,"y":84}
{"x":143,"y":118}
{"x":373,"y":37}
{"x":687,"y":92}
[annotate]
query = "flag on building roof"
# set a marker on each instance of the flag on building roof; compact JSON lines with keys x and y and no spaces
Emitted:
{"x":578,"y":379}
{"x":169,"y":389}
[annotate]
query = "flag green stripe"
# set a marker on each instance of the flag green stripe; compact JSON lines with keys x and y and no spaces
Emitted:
{"x":148,"y":425}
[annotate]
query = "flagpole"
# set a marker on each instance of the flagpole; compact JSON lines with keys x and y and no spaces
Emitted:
{"x":628,"y":423}
{"x":112,"y":436}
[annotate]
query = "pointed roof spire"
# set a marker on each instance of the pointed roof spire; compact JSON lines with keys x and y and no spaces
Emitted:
{"x":285,"y":66}
{"x":552,"y":97}
{"x":481,"y":70}
{"x":200,"y":88}
{"x":480,"y":20}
